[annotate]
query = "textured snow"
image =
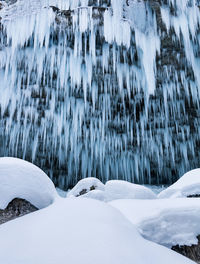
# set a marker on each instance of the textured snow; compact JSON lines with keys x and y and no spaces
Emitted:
{"x":86,"y":185}
{"x":188,"y":184}
{"x":79,"y":231}
{"x":22,"y":179}
{"x":116,"y":189}
{"x":165,"y":221}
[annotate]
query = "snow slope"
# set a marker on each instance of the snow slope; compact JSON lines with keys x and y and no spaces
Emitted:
{"x":165,"y":221}
{"x":22,"y":179}
{"x":188,"y":184}
{"x":79,"y":231}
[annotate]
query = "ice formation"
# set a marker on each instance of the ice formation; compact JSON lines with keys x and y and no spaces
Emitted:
{"x":21,"y":179}
{"x":108,"y":89}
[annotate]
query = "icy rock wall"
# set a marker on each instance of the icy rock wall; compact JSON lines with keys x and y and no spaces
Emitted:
{"x":108,"y":89}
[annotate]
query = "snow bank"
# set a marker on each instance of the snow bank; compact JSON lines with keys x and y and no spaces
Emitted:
{"x":79,"y":231}
{"x":86,"y":185}
{"x":116,"y":189}
{"x":21,"y":179}
{"x":165,"y":221}
{"x":188,"y":184}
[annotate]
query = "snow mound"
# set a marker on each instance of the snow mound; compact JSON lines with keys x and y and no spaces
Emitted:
{"x":79,"y":231}
{"x":95,"y":194}
{"x":165,"y":221}
{"x":116,"y":189}
{"x":86,"y":185}
{"x":188,"y":184}
{"x":22,"y":179}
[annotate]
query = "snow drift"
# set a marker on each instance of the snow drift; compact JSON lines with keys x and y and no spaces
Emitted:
{"x":167,"y":222}
{"x":22,"y":179}
{"x":79,"y":231}
{"x":187,"y":185}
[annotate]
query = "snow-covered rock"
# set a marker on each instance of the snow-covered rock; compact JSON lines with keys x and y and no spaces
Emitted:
{"x":187,"y":185}
{"x":79,"y":231}
{"x":167,"y":222}
{"x":116,"y":189}
{"x":22,"y":179}
{"x":95,"y":194}
{"x":86,"y":185}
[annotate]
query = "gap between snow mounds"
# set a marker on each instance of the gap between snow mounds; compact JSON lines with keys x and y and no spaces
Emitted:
{"x":22,"y":179}
{"x":93,"y":232}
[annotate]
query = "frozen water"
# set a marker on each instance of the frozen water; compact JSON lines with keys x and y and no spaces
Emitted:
{"x":100,"y":90}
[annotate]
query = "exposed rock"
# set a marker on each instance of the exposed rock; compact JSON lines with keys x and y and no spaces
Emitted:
{"x":192,"y":252}
{"x":194,"y":196}
{"x":84,"y":191}
{"x":16,"y":208}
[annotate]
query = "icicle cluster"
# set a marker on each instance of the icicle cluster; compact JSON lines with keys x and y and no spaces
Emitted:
{"x":108,"y":89}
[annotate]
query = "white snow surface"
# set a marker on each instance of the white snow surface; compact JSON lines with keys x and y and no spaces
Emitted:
{"x":79,"y":231}
{"x":86,"y":184}
{"x":112,"y":190}
{"x":117,"y":189}
{"x":165,"y":221}
{"x":95,"y":194}
{"x":188,"y":184}
{"x":22,"y":179}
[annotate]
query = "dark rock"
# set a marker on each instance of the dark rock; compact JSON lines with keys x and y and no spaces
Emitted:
{"x":194,"y":196}
{"x":16,"y":208}
{"x":192,"y":252}
{"x":84,"y":191}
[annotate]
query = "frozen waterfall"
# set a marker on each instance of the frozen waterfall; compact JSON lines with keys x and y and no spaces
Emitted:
{"x":102,"y":88}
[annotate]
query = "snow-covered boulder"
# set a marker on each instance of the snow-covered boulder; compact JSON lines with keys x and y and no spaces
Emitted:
{"x":22,"y":179}
{"x":168,"y":222}
{"x":93,"y":232}
{"x":95,"y":194}
{"x":116,"y":189}
{"x":187,"y":185}
{"x":86,"y":185}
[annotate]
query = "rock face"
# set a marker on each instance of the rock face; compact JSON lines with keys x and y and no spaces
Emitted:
{"x":192,"y":252}
{"x":16,"y":208}
{"x":95,"y":101}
